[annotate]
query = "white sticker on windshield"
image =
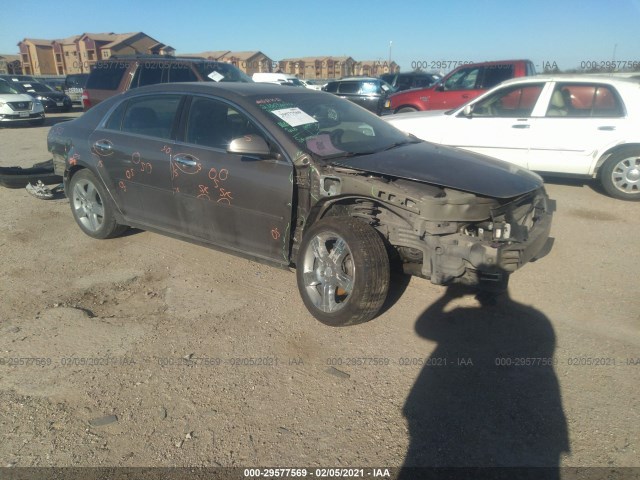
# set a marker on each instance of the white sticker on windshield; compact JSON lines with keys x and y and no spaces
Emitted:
{"x":294,"y":116}
{"x":215,"y":76}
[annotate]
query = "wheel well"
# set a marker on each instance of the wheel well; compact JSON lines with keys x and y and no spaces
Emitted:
{"x":618,"y":148}
{"x":73,"y":170}
{"x":397,"y":109}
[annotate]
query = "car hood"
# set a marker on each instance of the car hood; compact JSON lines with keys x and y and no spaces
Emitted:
{"x":52,"y":95}
{"x":448,"y":167}
{"x":415,"y":116}
{"x":15,"y":97}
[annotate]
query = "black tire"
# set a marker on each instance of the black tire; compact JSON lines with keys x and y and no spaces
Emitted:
{"x":92,"y":207}
{"x":357,"y":290}
{"x":406,"y":110}
{"x":620,"y":174}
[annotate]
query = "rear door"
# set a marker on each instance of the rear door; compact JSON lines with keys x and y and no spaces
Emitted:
{"x":579,"y":121}
{"x":133,"y":150}
{"x":237,"y":201}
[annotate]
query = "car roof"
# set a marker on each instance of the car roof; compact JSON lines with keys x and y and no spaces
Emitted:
{"x":229,"y":89}
{"x":572,"y":77}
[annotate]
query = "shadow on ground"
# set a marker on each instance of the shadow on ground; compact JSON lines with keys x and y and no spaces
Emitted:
{"x":489,"y":396}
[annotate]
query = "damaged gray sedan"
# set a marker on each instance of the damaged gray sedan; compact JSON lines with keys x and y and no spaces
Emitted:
{"x":301,"y":179}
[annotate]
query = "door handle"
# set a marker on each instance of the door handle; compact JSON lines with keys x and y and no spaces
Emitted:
{"x":186,"y":160}
{"x":520,"y":125}
{"x":103,"y":146}
{"x":607,"y":128}
{"x":465,"y":96}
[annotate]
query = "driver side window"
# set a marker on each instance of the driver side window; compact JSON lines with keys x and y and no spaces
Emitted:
{"x":214,"y":124}
{"x":517,"y":101}
{"x":464,"y":79}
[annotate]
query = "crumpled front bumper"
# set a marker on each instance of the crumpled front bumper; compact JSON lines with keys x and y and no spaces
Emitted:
{"x":474,"y":261}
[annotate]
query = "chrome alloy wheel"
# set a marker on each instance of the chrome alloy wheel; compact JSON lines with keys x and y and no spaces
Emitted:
{"x":329,"y":273}
{"x":625,"y":175}
{"x":88,"y":205}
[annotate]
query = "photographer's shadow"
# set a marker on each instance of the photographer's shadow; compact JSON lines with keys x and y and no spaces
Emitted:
{"x":497,"y":401}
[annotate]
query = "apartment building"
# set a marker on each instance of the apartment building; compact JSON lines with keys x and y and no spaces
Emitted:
{"x":76,"y":54}
{"x":10,"y":64}
{"x":318,"y":67}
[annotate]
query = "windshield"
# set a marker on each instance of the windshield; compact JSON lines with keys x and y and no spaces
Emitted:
{"x":221,"y":72}
{"x":329,"y":127}
{"x":6,"y":88}
{"x":36,"y":87}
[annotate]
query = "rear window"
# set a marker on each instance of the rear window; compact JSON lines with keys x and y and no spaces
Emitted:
{"x":76,"y":81}
{"x":107,"y":75}
{"x":221,"y":72}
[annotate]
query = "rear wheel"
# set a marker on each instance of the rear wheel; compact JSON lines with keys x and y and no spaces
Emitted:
{"x":343,"y":271}
{"x":92,"y":207}
{"x":620,"y":175}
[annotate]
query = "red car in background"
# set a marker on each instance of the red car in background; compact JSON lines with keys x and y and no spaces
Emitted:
{"x":459,"y":86}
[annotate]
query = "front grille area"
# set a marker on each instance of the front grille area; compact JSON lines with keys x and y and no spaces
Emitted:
{"x":18,"y":106}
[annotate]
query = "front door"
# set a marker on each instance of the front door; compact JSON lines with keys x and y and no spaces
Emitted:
{"x":499,"y":124}
{"x":237,"y":201}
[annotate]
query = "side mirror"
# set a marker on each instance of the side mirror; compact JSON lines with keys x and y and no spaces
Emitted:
{"x":253,"y":145}
{"x":467,"y":111}
{"x":439,"y":88}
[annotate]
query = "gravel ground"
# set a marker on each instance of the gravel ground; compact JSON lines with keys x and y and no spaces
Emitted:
{"x":149,"y":351}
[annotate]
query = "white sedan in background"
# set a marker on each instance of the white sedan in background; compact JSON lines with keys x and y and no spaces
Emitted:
{"x":564,"y":125}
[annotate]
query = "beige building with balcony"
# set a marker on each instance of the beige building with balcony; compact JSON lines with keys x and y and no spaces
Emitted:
{"x":10,"y":65}
{"x":375,"y":68}
{"x":76,"y":54}
{"x":318,"y":67}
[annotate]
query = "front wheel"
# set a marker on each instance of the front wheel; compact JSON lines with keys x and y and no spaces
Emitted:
{"x":91,"y":206}
{"x":343,"y":271}
{"x":406,"y":110}
{"x":620,"y":175}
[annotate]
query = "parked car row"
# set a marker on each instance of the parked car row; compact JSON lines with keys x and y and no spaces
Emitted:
{"x":18,"y":107}
{"x":581,"y":126}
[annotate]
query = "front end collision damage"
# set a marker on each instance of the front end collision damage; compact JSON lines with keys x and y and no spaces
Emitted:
{"x":441,"y":234}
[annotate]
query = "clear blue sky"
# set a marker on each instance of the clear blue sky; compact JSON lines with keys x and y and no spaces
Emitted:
{"x":567,"y":32}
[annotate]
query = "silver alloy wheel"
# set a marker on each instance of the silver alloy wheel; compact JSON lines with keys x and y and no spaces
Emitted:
{"x":625,"y":175}
{"x":329,"y":273}
{"x":88,"y":205}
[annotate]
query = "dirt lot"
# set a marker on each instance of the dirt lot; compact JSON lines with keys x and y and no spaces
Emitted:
{"x":149,"y":351}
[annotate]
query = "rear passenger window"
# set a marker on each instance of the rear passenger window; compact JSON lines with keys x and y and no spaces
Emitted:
{"x":106,"y":76}
{"x":349,"y":87}
{"x":181,"y":73}
{"x":585,"y":100}
{"x":150,"y":115}
{"x":332,"y":87}
{"x":495,"y":74}
{"x":150,"y":73}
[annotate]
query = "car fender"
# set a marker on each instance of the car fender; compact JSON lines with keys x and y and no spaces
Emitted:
{"x":610,"y":150}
